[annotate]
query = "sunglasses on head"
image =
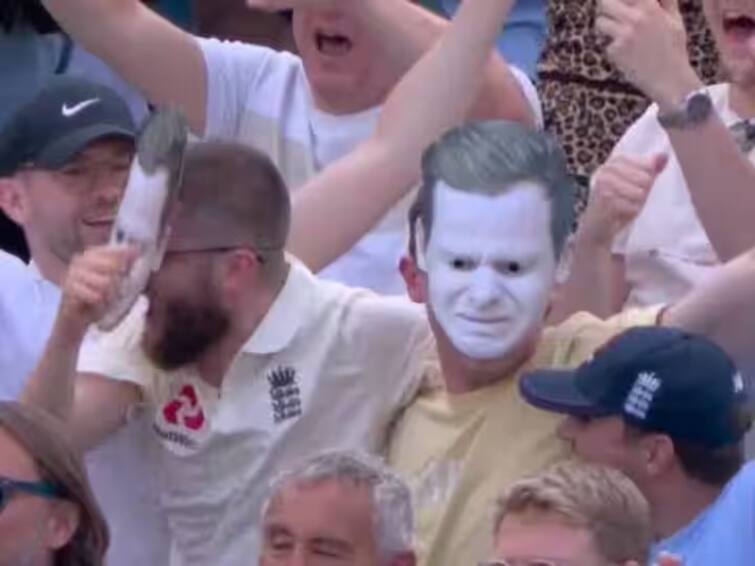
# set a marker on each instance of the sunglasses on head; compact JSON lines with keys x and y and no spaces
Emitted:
{"x":9,"y":488}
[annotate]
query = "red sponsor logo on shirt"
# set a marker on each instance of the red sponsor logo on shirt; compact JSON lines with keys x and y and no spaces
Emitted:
{"x":185,"y":410}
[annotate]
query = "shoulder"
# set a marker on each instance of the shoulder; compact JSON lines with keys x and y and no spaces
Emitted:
{"x":230,"y":56}
{"x":577,"y":338}
{"x":13,"y":270}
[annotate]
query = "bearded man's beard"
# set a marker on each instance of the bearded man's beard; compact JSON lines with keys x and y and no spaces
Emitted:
{"x":188,"y":332}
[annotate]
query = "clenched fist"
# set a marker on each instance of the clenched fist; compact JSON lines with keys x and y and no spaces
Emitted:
{"x":618,"y":192}
{"x":91,"y":283}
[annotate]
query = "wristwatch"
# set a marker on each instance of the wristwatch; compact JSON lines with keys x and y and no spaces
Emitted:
{"x":693,"y":111}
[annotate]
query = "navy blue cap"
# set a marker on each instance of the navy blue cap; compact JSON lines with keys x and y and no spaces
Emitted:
{"x":61,"y":120}
{"x":658,"y":379}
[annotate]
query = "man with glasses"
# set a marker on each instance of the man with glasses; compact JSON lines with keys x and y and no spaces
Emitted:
{"x":64,"y":160}
{"x":572,"y":515}
{"x":243,"y":360}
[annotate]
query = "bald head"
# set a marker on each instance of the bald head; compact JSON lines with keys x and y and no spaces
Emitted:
{"x":232,"y":195}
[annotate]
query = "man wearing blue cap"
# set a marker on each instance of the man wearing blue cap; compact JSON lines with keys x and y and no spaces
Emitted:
{"x":64,"y":160}
{"x":669,"y":409}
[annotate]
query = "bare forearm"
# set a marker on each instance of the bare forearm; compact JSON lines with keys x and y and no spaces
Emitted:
{"x":722,"y":308}
{"x":158,"y":58}
{"x":721,"y":182}
{"x":51,"y":385}
{"x":407,"y":31}
{"x":589,"y":287}
{"x":349,"y":197}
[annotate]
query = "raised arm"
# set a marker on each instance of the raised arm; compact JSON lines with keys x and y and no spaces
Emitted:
{"x":157,"y":57}
{"x":597,"y":278}
{"x":648,"y":45}
{"x":91,"y":406}
{"x":350,"y":196}
{"x":722,"y":308}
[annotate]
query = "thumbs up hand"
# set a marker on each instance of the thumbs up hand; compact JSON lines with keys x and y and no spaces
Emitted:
{"x":648,"y":43}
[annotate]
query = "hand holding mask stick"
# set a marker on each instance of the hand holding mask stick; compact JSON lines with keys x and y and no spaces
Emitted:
{"x":142,"y":221}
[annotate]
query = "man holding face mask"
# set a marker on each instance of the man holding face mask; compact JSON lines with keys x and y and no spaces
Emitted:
{"x":488,"y":228}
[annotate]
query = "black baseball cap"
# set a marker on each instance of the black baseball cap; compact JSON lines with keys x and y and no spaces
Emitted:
{"x":65,"y":116}
{"x":658,"y":379}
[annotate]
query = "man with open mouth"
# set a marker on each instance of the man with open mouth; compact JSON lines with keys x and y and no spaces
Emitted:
{"x":305,"y":112}
{"x":681,"y":178}
{"x":64,"y":160}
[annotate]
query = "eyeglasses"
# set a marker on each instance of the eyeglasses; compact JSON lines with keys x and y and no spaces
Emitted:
{"x":10,"y":488}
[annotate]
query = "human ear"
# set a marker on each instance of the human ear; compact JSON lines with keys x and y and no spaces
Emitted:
{"x":414,"y":278}
{"x":658,"y":454}
{"x":62,"y":524}
{"x":13,"y":200}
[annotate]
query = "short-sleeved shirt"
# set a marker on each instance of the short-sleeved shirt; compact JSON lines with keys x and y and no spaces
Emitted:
{"x":460,"y":451}
{"x":28,"y":305}
{"x":262,"y":98}
{"x":666,"y":249}
{"x":328,"y":368}
{"x":722,"y":534}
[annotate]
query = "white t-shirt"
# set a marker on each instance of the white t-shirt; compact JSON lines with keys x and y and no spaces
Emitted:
{"x":328,"y":368}
{"x":666,"y":249}
{"x":261,"y":97}
{"x":118,"y":469}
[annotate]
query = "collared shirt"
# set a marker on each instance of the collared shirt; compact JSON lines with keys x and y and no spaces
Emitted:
{"x":28,"y":306}
{"x":262,"y":98}
{"x":460,"y":451}
{"x":327,"y":368}
{"x":666,"y":248}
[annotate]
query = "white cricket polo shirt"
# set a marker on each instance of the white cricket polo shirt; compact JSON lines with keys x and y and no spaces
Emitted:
{"x":328,"y":368}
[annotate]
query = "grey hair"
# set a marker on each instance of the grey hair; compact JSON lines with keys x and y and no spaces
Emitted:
{"x":487,"y":158}
{"x":391,"y":496}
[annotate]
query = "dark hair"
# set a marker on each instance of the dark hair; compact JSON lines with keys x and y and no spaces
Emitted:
{"x":59,"y":464}
{"x":712,"y":466}
{"x":487,"y":158}
{"x":32,"y":13}
{"x":232,"y":194}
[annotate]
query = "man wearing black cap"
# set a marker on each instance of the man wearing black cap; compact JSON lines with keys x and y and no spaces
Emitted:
{"x":669,"y":409}
{"x":64,"y":161}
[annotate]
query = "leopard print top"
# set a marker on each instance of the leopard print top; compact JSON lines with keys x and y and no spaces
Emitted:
{"x":587,"y":104}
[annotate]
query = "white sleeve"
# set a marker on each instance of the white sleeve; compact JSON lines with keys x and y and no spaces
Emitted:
{"x":117,"y":354}
{"x":391,"y":338}
{"x":234,"y":72}
{"x":530,"y":93}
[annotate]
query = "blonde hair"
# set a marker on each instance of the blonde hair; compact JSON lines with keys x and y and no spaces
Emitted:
{"x":602,"y":500}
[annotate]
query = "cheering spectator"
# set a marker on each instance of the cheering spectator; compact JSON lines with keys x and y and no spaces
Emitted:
{"x":64,"y":158}
{"x":681,"y":175}
{"x":304,"y":112}
{"x":227,"y":305}
{"x":48,"y":514}
{"x":587,"y":103}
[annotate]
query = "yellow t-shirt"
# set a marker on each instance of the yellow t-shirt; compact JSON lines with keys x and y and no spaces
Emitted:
{"x":459,"y":452}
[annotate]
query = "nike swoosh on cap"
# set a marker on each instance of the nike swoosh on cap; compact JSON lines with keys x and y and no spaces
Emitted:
{"x":69,"y":111}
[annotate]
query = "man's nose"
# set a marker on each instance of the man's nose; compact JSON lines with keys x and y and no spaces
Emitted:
{"x":484,"y":290}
